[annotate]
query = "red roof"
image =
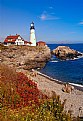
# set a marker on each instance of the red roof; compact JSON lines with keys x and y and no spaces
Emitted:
{"x":27,"y":42}
{"x":11,"y":38}
{"x":30,"y":42}
{"x":41,"y":42}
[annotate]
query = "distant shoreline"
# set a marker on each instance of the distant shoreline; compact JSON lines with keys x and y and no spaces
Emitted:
{"x":63,"y":43}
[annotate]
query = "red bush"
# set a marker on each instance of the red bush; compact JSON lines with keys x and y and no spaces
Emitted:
{"x":27,"y":90}
{"x":17,"y":90}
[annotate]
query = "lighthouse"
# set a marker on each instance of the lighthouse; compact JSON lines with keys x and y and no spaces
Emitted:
{"x":32,"y":35}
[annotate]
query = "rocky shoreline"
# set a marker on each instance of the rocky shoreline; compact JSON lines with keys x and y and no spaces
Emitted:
{"x":25,"y":57}
{"x":76,"y":86}
{"x":74,"y":99}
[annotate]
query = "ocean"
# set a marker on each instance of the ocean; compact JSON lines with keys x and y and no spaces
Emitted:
{"x":66,"y":71}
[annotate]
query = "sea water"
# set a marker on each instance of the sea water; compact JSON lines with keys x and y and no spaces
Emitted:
{"x":66,"y":71}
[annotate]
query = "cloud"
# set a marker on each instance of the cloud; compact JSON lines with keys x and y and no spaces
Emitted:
{"x":81,"y":23}
{"x":50,"y":7}
{"x":45,"y":16}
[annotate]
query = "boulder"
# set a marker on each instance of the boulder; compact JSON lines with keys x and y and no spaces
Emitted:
{"x":81,"y":112}
{"x":67,"y":88}
{"x":64,"y":52}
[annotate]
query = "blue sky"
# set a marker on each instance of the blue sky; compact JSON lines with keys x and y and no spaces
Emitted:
{"x":56,"y":21}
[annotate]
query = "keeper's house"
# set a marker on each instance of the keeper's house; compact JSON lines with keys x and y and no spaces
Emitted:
{"x":41,"y":43}
{"x":14,"y":39}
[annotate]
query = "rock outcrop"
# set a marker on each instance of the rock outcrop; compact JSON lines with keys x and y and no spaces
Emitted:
{"x":64,"y":52}
{"x":67,"y":88}
{"x":25,"y":57}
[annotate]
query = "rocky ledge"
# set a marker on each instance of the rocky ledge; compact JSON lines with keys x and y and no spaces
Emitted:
{"x":64,"y":52}
{"x":25,"y":57}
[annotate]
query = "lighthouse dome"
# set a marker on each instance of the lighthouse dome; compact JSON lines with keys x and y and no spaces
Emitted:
{"x":32,"y":26}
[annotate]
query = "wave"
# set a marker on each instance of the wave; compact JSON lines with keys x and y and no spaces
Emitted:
{"x":54,"y":61}
{"x":77,"y":58}
{"x":80,"y":52}
{"x":53,"y":79}
{"x":77,"y":85}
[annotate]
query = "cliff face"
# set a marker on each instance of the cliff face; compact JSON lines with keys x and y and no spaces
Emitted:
{"x":64,"y":52}
{"x":25,"y":57}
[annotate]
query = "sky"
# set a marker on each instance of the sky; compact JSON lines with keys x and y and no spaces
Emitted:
{"x":56,"y":21}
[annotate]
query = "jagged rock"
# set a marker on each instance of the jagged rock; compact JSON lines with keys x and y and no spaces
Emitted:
{"x":64,"y":52}
{"x":81,"y":112}
{"x":67,"y":88}
{"x":25,"y":57}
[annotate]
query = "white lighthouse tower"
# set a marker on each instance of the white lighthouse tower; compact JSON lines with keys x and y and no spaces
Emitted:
{"x":32,"y":35}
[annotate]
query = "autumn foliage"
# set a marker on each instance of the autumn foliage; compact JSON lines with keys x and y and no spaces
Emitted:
{"x":21,"y":100}
{"x":17,"y":90}
{"x":28,"y":91}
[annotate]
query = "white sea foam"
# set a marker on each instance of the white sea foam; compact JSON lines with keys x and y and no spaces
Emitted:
{"x":61,"y":82}
{"x":54,"y":61}
{"x":78,"y":57}
{"x":77,"y":85}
